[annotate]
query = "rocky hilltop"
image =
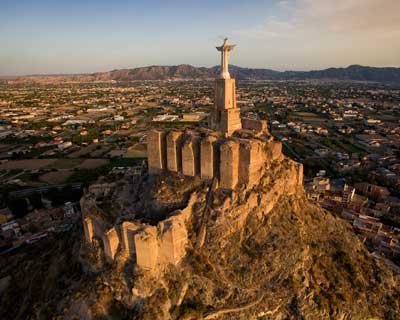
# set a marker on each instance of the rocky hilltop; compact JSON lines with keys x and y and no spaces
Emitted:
{"x":188,"y":72}
{"x":259,"y":252}
{"x":217,"y":227}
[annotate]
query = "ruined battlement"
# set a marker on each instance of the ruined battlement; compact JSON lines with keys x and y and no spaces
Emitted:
{"x":234,"y":160}
{"x":151,"y":247}
{"x":233,"y":152}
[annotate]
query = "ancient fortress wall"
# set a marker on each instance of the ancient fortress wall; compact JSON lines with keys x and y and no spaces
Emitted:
{"x":232,"y":160}
{"x":252,"y":124}
{"x":233,"y":151}
{"x":92,"y":228}
{"x":151,"y":246}
{"x":157,"y":153}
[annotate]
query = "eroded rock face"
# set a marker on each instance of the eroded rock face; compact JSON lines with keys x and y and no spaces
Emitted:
{"x":155,"y":234}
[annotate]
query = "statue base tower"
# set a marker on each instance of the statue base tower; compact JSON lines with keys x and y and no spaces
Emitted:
{"x":225,"y":117}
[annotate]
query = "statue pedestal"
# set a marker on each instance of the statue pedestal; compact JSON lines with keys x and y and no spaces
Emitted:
{"x":225,"y":116}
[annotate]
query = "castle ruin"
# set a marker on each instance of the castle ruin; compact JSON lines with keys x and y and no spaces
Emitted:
{"x":233,"y":152}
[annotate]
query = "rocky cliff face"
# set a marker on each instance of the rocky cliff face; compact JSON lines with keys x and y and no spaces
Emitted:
{"x":252,"y":253}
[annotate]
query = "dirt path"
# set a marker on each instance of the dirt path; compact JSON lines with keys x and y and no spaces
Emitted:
{"x":231,"y":310}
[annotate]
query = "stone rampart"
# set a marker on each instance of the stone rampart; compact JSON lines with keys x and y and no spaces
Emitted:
{"x":173,"y":239}
{"x":232,"y":160}
{"x":111,"y":244}
{"x":146,"y":245}
{"x":128,"y":230}
{"x":156,"y":151}
{"x":151,"y":246}
{"x":174,"y":151}
{"x":229,"y":164}
{"x":209,"y":158}
{"x":256,"y":125}
{"x":191,"y":156}
{"x":251,"y":161}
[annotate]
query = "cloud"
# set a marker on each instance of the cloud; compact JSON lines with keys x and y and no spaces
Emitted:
{"x":349,"y":31}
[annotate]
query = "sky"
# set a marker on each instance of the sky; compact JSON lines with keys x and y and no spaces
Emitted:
{"x":83,"y":36}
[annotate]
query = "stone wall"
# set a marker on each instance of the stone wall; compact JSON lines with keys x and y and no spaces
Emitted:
{"x":174,"y":150}
{"x":209,"y":158}
{"x":111,"y":244}
{"x":191,"y":156}
{"x":157,"y":151}
{"x":128,"y":230}
{"x":93,"y":228}
{"x":252,"y":159}
{"x":231,"y":160}
{"x":152,"y":247}
{"x":146,"y":246}
{"x":229,"y":164}
{"x":257,"y":125}
{"x":173,"y":239}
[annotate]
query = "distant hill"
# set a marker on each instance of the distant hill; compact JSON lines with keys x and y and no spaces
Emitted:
{"x":185,"y":71}
{"x":352,"y":73}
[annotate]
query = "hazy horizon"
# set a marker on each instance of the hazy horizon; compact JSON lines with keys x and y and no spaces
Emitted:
{"x":134,"y":67}
{"x":44,"y":37}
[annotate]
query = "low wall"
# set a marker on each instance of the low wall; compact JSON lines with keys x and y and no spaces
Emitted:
{"x":257,"y":125}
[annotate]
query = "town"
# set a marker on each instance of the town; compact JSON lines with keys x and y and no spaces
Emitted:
{"x":57,"y":138}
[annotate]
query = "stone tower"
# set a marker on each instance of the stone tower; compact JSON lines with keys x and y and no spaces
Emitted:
{"x":225,"y":116}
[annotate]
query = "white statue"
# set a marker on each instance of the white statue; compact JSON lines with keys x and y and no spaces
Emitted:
{"x":225,"y":49}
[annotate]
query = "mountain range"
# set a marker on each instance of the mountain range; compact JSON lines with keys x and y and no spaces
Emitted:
{"x":187,"y":72}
